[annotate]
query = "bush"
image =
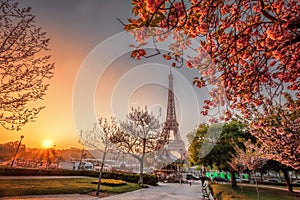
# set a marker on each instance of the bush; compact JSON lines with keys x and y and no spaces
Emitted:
{"x":132,"y":178}
{"x":222,"y":192}
{"x":110,"y":182}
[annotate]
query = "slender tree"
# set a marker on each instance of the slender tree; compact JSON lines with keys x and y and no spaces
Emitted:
{"x":247,"y":50}
{"x":99,"y":139}
{"x":139,"y":135}
{"x":24,"y":65}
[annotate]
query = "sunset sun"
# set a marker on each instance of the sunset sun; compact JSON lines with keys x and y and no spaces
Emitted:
{"x":47,"y":143}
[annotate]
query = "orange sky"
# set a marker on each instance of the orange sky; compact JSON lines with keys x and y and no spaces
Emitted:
{"x":75,"y":30}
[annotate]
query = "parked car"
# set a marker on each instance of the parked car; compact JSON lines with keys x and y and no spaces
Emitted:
{"x":238,"y":180}
{"x":191,"y":177}
{"x":296,"y":182}
{"x":273,"y":180}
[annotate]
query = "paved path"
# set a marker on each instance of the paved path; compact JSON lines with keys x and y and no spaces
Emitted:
{"x":165,"y":191}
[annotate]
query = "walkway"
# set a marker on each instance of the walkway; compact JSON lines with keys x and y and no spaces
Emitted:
{"x":165,"y":191}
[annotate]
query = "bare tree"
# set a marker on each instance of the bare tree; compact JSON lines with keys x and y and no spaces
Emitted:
{"x":24,"y":65}
{"x":99,"y":138}
{"x":140,"y":134}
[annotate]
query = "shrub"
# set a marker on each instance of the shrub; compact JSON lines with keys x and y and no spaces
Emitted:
{"x":132,"y":178}
{"x":111,"y":182}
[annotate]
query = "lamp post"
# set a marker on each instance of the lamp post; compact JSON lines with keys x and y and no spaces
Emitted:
{"x":54,"y":154}
{"x":80,"y":162}
{"x":12,"y":163}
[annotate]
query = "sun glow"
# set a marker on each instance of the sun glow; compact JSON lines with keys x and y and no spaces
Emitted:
{"x":47,"y":143}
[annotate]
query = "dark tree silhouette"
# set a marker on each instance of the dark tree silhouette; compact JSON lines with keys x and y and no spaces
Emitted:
{"x":24,"y":65}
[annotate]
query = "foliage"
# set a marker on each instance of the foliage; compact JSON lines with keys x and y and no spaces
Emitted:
{"x":140,"y":134}
{"x":195,"y":144}
{"x":278,"y":129}
{"x":251,"y":157}
{"x":226,"y":193}
{"x":24,"y":66}
{"x":37,"y":156}
{"x":248,"y":51}
{"x":223,"y":151}
{"x":132,"y":178}
{"x":111,"y":182}
{"x":7,"y":150}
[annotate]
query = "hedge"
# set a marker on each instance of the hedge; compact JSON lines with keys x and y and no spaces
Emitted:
{"x":132,"y":178}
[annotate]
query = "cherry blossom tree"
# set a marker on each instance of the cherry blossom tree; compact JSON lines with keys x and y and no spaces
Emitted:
{"x":252,"y":157}
{"x":24,"y":65}
{"x":247,"y":50}
{"x":139,"y":135}
{"x":278,"y":129}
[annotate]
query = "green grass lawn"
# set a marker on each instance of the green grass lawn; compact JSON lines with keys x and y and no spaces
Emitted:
{"x":249,"y":193}
{"x":20,"y":187}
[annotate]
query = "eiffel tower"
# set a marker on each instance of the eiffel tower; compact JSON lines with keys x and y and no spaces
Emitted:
{"x":175,"y":144}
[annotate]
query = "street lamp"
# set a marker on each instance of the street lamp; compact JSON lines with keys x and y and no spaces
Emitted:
{"x":12,"y":163}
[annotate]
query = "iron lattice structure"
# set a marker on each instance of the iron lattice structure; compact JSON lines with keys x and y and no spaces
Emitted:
{"x":175,"y":143}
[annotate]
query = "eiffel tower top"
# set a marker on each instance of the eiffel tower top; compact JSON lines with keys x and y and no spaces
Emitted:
{"x":170,"y":75}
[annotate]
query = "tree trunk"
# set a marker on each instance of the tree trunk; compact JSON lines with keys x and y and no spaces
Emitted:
{"x":287,"y":180}
{"x":80,"y":162}
{"x":279,"y":175}
{"x":250,"y":177}
{"x":295,"y":172}
{"x":256,"y":186}
{"x":233,"y":180}
{"x":100,"y":173}
{"x":141,"y":171}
